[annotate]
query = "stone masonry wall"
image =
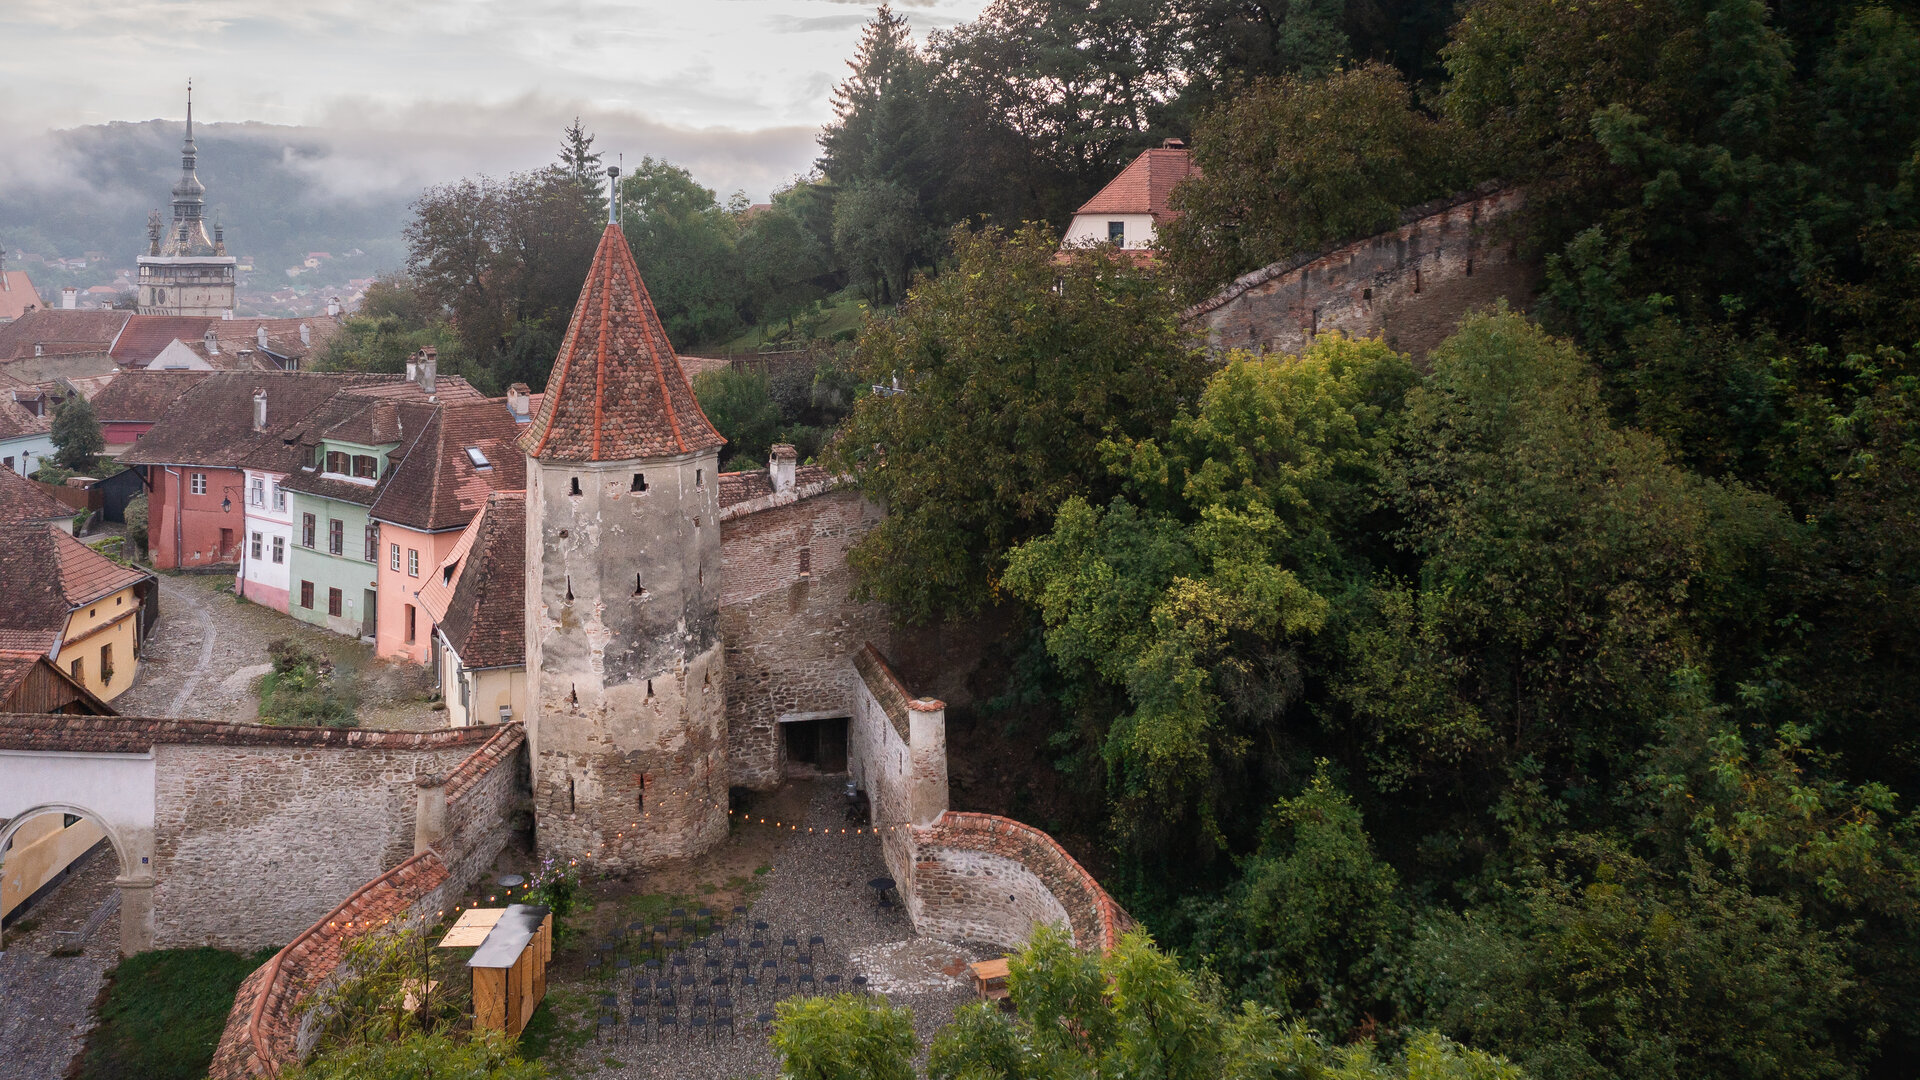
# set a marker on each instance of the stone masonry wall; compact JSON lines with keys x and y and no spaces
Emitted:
{"x":788,"y":633}
{"x":965,"y":864}
{"x":1410,"y":285}
{"x":254,"y":843}
{"x":980,"y":896}
{"x":480,"y":795}
{"x":881,"y":763}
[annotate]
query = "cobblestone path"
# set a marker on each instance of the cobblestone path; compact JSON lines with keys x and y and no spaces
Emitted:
{"x":46,"y":1001}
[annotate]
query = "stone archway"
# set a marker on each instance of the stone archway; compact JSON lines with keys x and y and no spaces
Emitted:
{"x":135,"y":879}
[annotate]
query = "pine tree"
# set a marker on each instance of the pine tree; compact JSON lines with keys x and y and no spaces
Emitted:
{"x":579,"y":160}
{"x":76,"y":434}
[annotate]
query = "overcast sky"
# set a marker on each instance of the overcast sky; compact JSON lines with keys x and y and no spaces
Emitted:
{"x":425,"y":90}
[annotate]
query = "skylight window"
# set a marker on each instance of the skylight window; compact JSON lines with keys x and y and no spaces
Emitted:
{"x":479,"y":459}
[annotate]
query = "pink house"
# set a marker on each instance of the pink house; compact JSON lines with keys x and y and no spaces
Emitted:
{"x":465,"y":453}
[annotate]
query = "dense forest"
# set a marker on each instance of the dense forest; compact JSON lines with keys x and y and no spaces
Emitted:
{"x":1554,"y":695}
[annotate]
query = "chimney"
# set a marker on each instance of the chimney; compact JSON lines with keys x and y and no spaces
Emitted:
{"x":1174,"y":144}
{"x":780,"y":462}
{"x":227,"y":314}
{"x":333,"y":307}
{"x":69,"y":297}
{"x":260,"y":336}
{"x":519,"y":403}
{"x":306,"y":335}
{"x":259,"y":410}
{"x":212,"y":342}
{"x":422,"y":367}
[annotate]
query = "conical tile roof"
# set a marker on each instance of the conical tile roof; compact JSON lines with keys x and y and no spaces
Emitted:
{"x":617,"y":391}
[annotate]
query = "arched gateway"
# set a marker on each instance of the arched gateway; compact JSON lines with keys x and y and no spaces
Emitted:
{"x":112,"y":790}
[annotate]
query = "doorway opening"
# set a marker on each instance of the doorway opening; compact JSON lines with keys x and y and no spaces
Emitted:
{"x":814,"y":747}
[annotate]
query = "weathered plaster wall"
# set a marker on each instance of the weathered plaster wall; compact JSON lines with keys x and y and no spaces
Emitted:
{"x":1410,"y":285}
{"x":627,"y":682}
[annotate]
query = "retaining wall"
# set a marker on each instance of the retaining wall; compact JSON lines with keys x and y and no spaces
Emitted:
{"x":1411,"y":285}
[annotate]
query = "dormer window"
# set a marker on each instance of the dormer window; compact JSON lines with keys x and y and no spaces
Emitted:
{"x":366,"y":466}
{"x":338,"y":462}
{"x":479,"y":459}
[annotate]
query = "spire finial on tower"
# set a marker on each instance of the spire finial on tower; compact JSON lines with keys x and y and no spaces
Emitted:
{"x":613,"y":194}
{"x":189,"y":110}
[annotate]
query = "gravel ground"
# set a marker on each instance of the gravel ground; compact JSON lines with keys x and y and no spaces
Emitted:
{"x":46,"y":1001}
{"x":209,"y":648}
{"x":818,"y":885}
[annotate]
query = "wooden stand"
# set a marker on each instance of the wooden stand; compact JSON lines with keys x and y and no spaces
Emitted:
{"x":510,"y":964}
{"x":990,"y":979}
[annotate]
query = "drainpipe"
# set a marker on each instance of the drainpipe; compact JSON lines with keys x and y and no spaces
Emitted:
{"x":180,"y":499}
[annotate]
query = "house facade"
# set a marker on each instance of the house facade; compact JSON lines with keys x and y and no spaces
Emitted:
{"x":333,"y":569}
{"x":476,"y":598}
{"x":26,"y":436}
{"x":466,"y":454}
{"x":265,"y":567}
{"x":84,"y":607}
{"x":1127,"y":212}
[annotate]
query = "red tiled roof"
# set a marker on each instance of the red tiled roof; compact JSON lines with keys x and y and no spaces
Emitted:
{"x":16,"y":294}
{"x":146,"y":335}
{"x":33,"y":641}
{"x":485,"y":620}
{"x":142,"y":396}
{"x":16,"y":421}
{"x":23,"y":500}
{"x":242,"y":336}
{"x":617,"y":391}
{"x":17,"y":664}
{"x":59,"y":332}
{"x":438,"y":487}
{"x":212,"y":423}
{"x":738,"y":487}
{"x":86,"y":575}
{"x":1143,"y":186}
{"x":45,"y":574}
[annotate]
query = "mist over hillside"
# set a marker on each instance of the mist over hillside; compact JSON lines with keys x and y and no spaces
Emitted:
{"x":266,"y":185}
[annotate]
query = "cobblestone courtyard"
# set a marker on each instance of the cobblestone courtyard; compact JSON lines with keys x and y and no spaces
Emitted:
{"x":816,"y":885}
{"x":209,"y":649}
{"x":46,"y":1001}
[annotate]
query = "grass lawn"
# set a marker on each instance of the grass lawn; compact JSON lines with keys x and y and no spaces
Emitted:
{"x":163,"y":1013}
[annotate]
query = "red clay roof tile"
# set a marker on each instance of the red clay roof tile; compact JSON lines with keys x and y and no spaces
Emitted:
{"x":617,"y":391}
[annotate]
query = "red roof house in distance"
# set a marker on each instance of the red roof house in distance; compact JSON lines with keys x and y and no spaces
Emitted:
{"x":17,"y":295}
{"x":1127,"y":212}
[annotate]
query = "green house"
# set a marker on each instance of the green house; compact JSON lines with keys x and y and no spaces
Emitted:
{"x":349,"y":451}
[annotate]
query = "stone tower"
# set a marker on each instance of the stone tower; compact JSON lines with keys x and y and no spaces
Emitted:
{"x":627,"y":715}
{"x":184,"y":271}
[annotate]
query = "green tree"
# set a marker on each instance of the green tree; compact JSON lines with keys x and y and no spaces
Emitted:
{"x":742,"y":410}
{"x":1195,"y":596}
{"x":848,"y":1037}
{"x":76,"y":433}
{"x":1294,"y":164}
{"x":1012,"y":370}
{"x":136,"y":521}
{"x":879,"y":236}
{"x":1311,"y":925}
{"x":581,"y":161}
{"x":1606,"y":969}
{"x":683,"y":242}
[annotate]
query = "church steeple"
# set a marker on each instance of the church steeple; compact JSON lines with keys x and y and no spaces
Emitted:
{"x":189,"y":233}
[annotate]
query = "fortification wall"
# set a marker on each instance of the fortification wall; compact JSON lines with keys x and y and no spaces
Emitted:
{"x":472,"y":808}
{"x":981,"y":877}
{"x":1411,"y":285}
{"x":789,"y":622}
{"x":253,"y":843}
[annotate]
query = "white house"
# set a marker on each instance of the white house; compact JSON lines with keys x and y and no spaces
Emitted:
{"x":1128,"y":211}
{"x":265,"y":576}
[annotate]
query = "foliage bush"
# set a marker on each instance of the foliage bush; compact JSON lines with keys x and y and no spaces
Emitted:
{"x":305,"y":690}
{"x":136,"y":520}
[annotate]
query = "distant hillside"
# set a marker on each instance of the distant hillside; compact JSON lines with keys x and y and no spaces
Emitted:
{"x":264,"y":184}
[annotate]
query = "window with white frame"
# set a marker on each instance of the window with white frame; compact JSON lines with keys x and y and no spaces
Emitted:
{"x":280,"y":549}
{"x":258,"y":543}
{"x":393,"y":556}
{"x":413,"y":562}
{"x":257,"y":493}
{"x":199,"y":483}
{"x":279,"y":496}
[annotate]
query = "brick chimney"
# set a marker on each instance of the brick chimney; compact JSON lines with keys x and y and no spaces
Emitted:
{"x":520,"y":402}
{"x":260,"y":336}
{"x":780,"y":464}
{"x":259,"y":410}
{"x":211,"y":341}
{"x":306,"y":335}
{"x":333,"y":307}
{"x":69,"y":298}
